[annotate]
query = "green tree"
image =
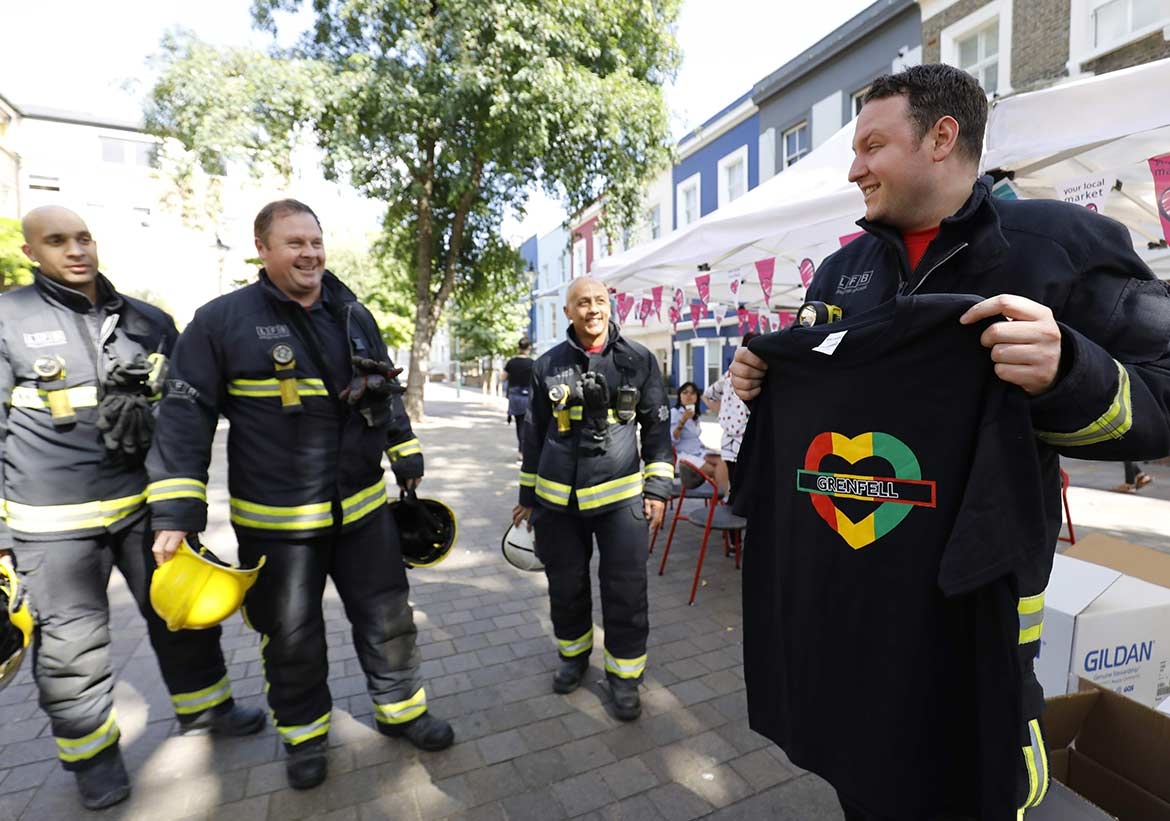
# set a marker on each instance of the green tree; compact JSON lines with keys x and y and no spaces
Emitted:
{"x":449,"y":111}
{"x":15,"y":267}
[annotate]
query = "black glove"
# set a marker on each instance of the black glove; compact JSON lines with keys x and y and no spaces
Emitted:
{"x":127,"y":424}
{"x":129,"y":377}
{"x":372,"y":380}
{"x":595,"y":406}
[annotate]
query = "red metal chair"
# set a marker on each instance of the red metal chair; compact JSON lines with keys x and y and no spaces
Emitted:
{"x":698,"y":490}
{"x":717,"y":516}
{"x":1071,"y":538}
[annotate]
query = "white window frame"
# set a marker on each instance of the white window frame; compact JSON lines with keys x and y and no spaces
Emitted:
{"x":855,"y":101}
{"x":725,"y":164}
{"x":694,"y":181}
{"x":600,"y":244}
{"x":579,"y":258}
{"x":950,"y":36}
{"x":654,"y":221}
{"x":1081,"y":48}
{"x":714,"y":346}
{"x":784,"y":143}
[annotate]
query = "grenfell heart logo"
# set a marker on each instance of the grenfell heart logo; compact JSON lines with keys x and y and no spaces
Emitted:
{"x":896,"y":493}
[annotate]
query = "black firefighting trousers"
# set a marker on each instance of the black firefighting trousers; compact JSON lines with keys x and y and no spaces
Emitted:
{"x":564,"y":542}
{"x":284,"y":606}
{"x":67,"y":583}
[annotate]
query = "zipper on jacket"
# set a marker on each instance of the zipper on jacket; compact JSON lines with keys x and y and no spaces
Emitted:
{"x":935,"y":267}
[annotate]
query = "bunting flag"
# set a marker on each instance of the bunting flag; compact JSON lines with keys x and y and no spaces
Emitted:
{"x":703,"y":283}
{"x":765,"y":323}
{"x":647,"y":308}
{"x":754,"y":321}
{"x":656,"y":293}
{"x":624,"y":303}
{"x":1160,"y":168}
{"x":742,"y":315}
{"x":845,"y":239}
{"x":1088,"y":191}
{"x":807,"y":269}
{"x":786,"y":318}
{"x":696,"y":315}
{"x":734,"y":280}
{"x":717,"y":312}
{"x":675,"y":316}
{"x":766,"y":268}
{"x":678,"y":299}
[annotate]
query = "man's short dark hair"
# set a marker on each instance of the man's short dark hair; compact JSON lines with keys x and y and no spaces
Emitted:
{"x":935,"y":91}
{"x":280,"y":208}
{"x":525,"y":343}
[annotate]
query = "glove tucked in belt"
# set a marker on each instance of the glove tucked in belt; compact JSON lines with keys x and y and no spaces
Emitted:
{"x":124,"y":414}
{"x":371,"y":385}
{"x":594,"y":411}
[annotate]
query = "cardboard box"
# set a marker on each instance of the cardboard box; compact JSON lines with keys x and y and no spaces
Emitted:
{"x":1107,"y":619}
{"x":1110,"y":751}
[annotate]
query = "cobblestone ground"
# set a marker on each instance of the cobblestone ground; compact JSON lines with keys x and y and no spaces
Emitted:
{"x":522,"y":752}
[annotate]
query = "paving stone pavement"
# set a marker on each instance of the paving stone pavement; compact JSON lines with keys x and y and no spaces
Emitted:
{"x":522,"y":752}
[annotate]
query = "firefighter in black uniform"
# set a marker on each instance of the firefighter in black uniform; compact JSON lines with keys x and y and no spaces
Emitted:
{"x":299,"y":368}
{"x":78,"y":375}
{"x":582,"y":477}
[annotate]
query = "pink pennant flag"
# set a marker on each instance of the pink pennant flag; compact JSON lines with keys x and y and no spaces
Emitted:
{"x":845,"y":239}
{"x":656,"y":293}
{"x":765,"y":323}
{"x":754,"y":321}
{"x":734,"y":282}
{"x":807,"y":269}
{"x":647,"y":308}
{"x":703,"y":283}
{"x":678,"y":299}
{"x":786,"y":318}
{"x":742,"y":315}
{"x":766,"y":268}
{"x":675,"y":316}
{"x":1160,"y":168}
{"x":717,"y":311}
{"x":624,"y":303}
{"x":696,"y":315}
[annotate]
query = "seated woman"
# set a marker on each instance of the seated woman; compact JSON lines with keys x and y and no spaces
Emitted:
{"x":684,"y":433}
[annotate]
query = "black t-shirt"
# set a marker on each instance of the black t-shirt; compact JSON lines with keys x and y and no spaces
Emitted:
{"x":892,"y":486}
{"x":519,"y":371}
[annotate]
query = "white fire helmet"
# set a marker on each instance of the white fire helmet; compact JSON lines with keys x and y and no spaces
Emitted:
{"x":519,"y":548}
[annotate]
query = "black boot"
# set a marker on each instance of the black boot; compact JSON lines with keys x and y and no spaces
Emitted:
{"x":627,"y":704}
{"x":228,"y":719}
{"x":425,"y":732}
{"x":568,"y":676}
{"x":307,"y":765}
{"x":103,"y":783}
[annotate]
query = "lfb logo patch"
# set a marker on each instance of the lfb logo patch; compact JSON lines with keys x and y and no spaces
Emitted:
{"x":272,"y":331}
{"x":852,"y":283}
{"x":44,"y":339}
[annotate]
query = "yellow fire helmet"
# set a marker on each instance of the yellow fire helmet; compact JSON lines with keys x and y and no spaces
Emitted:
{"x":16,"y":624}
{"x":196,"y":590}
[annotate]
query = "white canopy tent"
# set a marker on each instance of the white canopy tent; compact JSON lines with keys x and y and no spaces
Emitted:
{"x":1111,"y":123}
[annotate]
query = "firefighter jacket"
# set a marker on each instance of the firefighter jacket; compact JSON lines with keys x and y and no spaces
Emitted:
{"x":300,"y":460}
{"x":563,"y":471}
{"x":58,"y":479}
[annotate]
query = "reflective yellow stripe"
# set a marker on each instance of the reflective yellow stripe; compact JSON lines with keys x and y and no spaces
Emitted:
{"x":1036,"y":763}
{"x":400,"y":712}
{"x":165,"y":489}
{"x":1113,"y":424}
{"x":552,"y":491}
{"x":363,"y":502}
{"x":527,"y":479}
{"x":62,"y":518}
{"x":1031,"y":614}
{"x":301,"y":733}
{"x":86,"y":747}
{"x":271,"y":387}
{"x":664,"y":470}
{"x":403,"y":449}
{"x":272,"y":517}
{"x":576,"y":413}
{"x":625,"y":668}
{"x":607,"y":493}
{"x":200,"y":700}
{"x":26,"y":396}
{"x":575,"y":647}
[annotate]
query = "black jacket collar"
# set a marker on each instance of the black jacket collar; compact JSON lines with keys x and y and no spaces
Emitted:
{"x":108,"y":298}
{"x":333,"y":290}
{"x":611,"y":338}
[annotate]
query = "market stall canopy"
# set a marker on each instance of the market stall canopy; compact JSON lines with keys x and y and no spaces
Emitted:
{"x":799,"y":213}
